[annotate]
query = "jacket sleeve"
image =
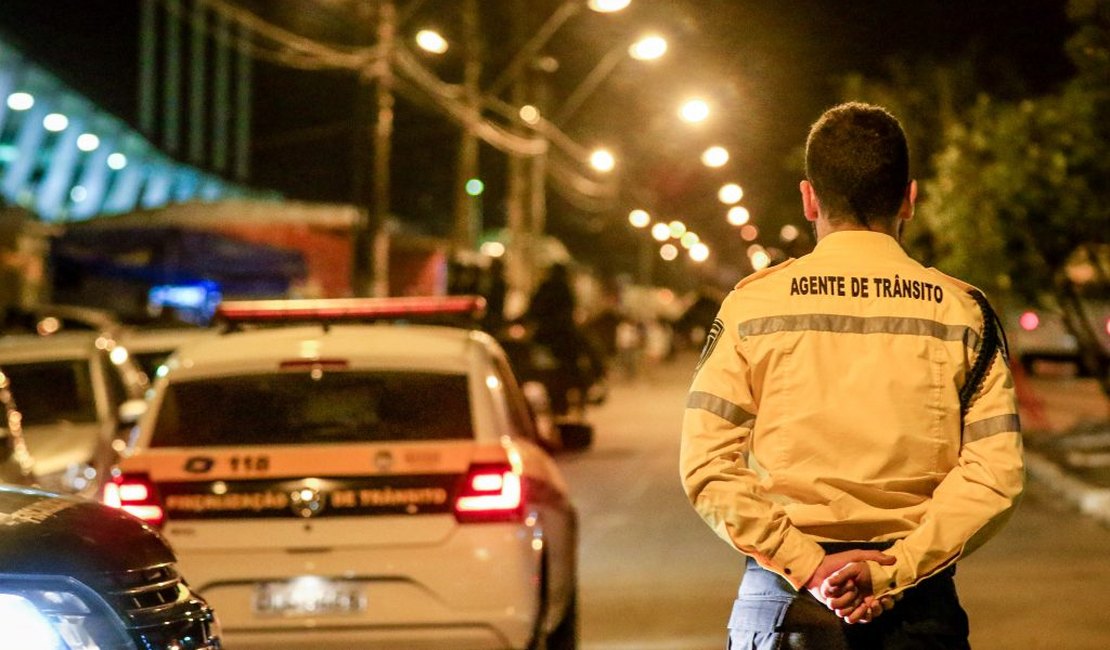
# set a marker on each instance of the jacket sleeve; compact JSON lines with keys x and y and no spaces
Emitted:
{"x":976,"y":498}
{"x":724,"y":490}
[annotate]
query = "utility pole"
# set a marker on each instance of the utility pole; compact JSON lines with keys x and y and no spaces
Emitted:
{"x":519,"y":253}
{"x":383,"y":140}
{"x":372,"y":153}
{"x":467,"y":217}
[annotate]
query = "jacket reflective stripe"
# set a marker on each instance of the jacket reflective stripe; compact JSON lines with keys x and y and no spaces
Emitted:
{"x":990,"y":426}
{"x":719,"y":407}
{"x":859,"y":325}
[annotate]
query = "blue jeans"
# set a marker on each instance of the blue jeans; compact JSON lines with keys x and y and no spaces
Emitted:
{"x":770,"y":615}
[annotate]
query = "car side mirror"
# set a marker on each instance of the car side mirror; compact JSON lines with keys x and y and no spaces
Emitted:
{"x":575,"y":436}
{"x":131,"y":411}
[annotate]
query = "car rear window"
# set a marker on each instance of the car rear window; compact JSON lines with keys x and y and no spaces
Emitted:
{"x":309,"y":408}
{"x":53,"y":391}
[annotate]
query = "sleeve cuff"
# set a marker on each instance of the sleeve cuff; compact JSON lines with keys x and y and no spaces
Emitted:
{"x":883,"y":578}
{"x":796,"y":559}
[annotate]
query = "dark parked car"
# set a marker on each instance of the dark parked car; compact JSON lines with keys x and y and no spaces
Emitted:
{"x":76,"y":574}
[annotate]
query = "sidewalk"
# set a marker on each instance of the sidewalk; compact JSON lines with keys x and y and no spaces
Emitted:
{"x":1066,"y":425}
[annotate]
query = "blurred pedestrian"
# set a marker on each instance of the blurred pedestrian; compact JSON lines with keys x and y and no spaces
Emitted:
{"x":494,"y":289}
{"x":551,"y":315}
{"x":852,"y":425}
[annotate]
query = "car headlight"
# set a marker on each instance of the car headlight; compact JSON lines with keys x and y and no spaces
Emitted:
{"x":58,"y":614}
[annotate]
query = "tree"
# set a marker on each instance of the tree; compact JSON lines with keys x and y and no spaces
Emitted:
{"x":1013,"y":191}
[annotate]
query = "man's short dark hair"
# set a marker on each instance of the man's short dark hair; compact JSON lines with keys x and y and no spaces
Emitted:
{"x":858,"y":163}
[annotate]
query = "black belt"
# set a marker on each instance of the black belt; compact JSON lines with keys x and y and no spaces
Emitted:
{"x":839,"y":547}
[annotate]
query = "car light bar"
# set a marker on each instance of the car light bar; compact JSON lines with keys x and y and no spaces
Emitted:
{"x":418,"y":308}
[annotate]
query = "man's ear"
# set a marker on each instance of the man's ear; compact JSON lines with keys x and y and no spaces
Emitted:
{"x":906,"y":212}
{"x":811,"y":207}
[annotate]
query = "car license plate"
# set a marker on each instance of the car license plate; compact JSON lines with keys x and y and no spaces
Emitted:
{"x":310,"y":596}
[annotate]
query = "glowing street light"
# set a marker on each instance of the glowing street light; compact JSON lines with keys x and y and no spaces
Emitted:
{"x":432,"y":41}
{"x":694,"y":110}
{"x":730,"y":193}
{"x":648,"y":48}
{"x":699,"y":252}
{"x":668,"y":252}
{"x":88,"y":142}
{"x":639,"y":218}
{"x":760,"y":260}
{"x":602,"y":160}
{"x":689,"y":240}
{"x":20,"y":101}
{"x":608,"y":6}
{"x":660,"y":232}
{"x":55,"y":122}
{"x":117,"y":161}
{"x":530,"y":114}
{"x":677,"y":229}
{"x":738,"y":215}
{"x":789,"y":233}
{"x":714,"y":157}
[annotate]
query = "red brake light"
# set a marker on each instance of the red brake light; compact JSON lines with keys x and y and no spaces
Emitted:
{"x":1029,"y":321}
{"x":135,"y":494}
{"x":490,"y":493}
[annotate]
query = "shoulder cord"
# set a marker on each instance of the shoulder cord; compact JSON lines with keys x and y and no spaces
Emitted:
{"x":993,"y":337}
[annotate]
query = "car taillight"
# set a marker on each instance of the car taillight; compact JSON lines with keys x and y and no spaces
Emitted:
{"x":135,"y":494}
{"x":1029,"y":321}
{"x":490,"y":493}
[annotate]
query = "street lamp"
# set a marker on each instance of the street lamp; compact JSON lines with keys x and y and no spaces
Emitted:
{"x":715,"y":157}
{"x":602,"y":160}
{"x":431,"y":41}
{"x":608,"y":6}
{"x":639,"y":218}
{"x":647,"y":48}
{"x":694,"y":110}
{"x":738,"y":215}
{"x":730,"y":193}
{"x":556,"y":20}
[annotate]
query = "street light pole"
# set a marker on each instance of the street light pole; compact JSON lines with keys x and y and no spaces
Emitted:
{"x":466,"y":216}
{"x":378,"y":246}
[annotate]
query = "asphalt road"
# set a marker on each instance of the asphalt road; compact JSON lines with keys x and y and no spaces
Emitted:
{"x":654,"y":577}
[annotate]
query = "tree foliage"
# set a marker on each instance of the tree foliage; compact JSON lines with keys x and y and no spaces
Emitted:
{"x":1011,"y":189}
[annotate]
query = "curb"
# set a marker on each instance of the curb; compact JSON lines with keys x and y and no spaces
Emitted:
{"x":1090,"y":500}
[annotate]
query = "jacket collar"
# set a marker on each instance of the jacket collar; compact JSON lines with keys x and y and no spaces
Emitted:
{"x":859,"y":242}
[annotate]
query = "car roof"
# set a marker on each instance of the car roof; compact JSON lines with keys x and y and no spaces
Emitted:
{"x":159,"y":339}
{"x":25,"y":348}
{"x":391,"y":346}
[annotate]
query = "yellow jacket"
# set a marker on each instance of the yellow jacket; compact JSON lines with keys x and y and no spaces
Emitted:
{"x":825,"y":407}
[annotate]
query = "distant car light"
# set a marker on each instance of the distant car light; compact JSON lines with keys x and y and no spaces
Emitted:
{"x":1029,"y":321}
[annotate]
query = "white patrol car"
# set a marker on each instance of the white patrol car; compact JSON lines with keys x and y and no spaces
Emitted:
{"x":341,"y":485}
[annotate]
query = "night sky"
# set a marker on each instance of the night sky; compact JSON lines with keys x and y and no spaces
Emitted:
{"x":769,"y":67}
